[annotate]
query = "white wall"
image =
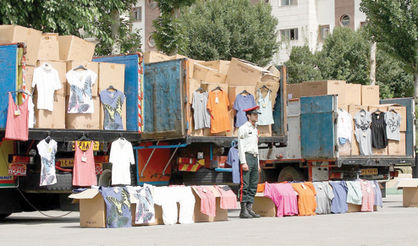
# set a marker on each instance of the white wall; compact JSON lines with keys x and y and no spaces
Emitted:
{"x":358,"y":15}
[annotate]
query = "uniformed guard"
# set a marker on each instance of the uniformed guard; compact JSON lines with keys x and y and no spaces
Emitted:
{"x":248,"y":155}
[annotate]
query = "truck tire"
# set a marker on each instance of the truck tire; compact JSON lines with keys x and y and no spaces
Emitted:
{"x":105,"y":178}
{"x":290,"y":174}
{"x":3,"y":216}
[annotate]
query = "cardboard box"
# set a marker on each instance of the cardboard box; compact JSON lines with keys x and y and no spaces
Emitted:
{"x":264,"y":206}
{"x":29,"y":76}
{"x":61,"y":68}
{"x":154,"y":56}
{"x":294,"y":90}
{"x":75,"y":48}
{"x":401,"y":110}
{"x":274,"y":70}
{"x":84,"y":121}
{"x":343,"y":107}
{"x":93,"y":66}
{"x":380,"y":151}
{"x":233,"y":92}
{"x":244,"y":73}
{"x":345,"y":150}
{"x":207,"y":74}
{"x":211,"y":86}
{"x":353,"y":94}
{"x":194,"y":84}
{"x":221,"y":214}
{"x":398,"y":147}
{"x":264,"y":131}
{"x":410,"y":191}
{"x":51,"y":119}
{"x":370,"y":95}
{"x":355,"y":148}
{"x":49,"y":47}
{"x":220,"y":66}
{"x":325,"y":87}
{"x":234,"y":130}
{"x":374,"y":108}
{"x":92,"y":208}
{"x":111,"y":74}
{"x":354,"y":109}
{"x":19,"y":34}
{"x":158,"y":216}
{"x":353,"y":208}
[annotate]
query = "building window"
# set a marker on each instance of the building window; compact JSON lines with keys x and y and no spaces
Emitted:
{"x":289,"y":34}
{"x":153,"y":4}
{"x":345,"y":20}
{"x":323,"y":32}
{"x":137,"y":14}
{"x":288,"y":2}
{"x":151,"y":42}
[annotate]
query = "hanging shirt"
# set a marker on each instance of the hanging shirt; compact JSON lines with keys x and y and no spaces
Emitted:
{"x":247,"y":141}
{"x":121,"y":156}
{"x":81,"y":82}
{"x":47,"y":152}
{"x":266,"y":110}
{"x":339,"y":203}
{"x":233,"y":161}
{"x":368,"y":196}
{"x":393,"y":125}
{"x":306,"y":200}
{"x":344,"y":125}
{"x":142,"y":197}
{"x":284,"y":197}
{"x":324,"y":196}
{"x":363,"y":121}
{"x":378,"y":126}
{"x":112,"y":107}
{"x":118,"y":206}
{"x":354,"y":194}
{"x":377,"y":194}
{"x":47,"y":81}
{"x":17,"y":120}
{"x":241,"y":103}
{"x":201,"y":114}
{"x":84,"y":172}
{"x":218,"y":104}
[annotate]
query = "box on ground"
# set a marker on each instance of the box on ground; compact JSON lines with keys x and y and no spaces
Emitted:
{"x":244,"y":73}
{"x":93,"y":66}
{"x":325,"y":87}
{"x":410,"y":192}
{"x":353,"y":208}
{"x":234,"y":91}
{"x":353,"y":94}
{"x":19,"y":34}
{"x":207,"y":74}
{"x":264,"y":206}
{"x":75,"y":48}
{"x":154,"y":56}
{"x":61,"y":68}
{"x":92,"y":208}
{"x":398,"y":147}
{"x":370,"y":95}
{"x":51,"y":119}
{"x":220,"y":65}
{"x":84,"y":121}
{"x":221,"y":214}
{"x":49,"y":48}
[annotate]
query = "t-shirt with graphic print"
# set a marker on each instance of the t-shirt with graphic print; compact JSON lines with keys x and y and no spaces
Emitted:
{"x":112,"y":106}
{"x":393,"y":125}
{"x":47,"y":152}
{"x":81,"y":81}
{"x":118,"y":206}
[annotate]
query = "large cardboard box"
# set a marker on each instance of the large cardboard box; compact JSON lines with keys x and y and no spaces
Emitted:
{"x":51,"y":119}
{"x":49,"y":47}
{"x":93,"y":66}
{"x":234,"y":130}
{"x":84,"y":121}
{"x":29,"y":76}
{"x":154,"y":56}
{"x":354,"y":109}
{"x":61,"y":68}
{"x":294,"y":90}
{"x":221,"y":214}
{"x":208,"y":74}
{"x":19,"y":34}
{"x":75,"y":48}
{"x":353,"y":94}
{"x":401,"y":110}
{"x":111,"y":74}
{"x":264,"y":206}
{"x":398,"y":147}
{"x":211,"y":86}
{"x":355,"y":148}
{"x":92,"y":208}
{"x":244,"y":73}
{"x":369,"y":95}
{"x":410,"y":192}
{"x":374,"y":108}
{"x":353,"y":208}
{"x":325,"y":87}
{"x":264,"y":131}
{"x":220,"y":66}
{"x":234,"y":91}
{"x":380,"y":151}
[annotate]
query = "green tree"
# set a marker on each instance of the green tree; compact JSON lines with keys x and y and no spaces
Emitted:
{"x":302,"y":65}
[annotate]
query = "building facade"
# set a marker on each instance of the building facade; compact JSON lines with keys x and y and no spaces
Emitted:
{"x":144,"y":12}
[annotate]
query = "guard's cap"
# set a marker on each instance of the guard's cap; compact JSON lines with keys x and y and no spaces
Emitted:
{"x":253,"y":110}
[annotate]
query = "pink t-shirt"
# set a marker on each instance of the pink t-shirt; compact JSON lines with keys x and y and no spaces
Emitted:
{"x":84,"y":172}
{"x":228,"y":198}
{"x":368,"y":196}
{"x":284,"y":197}
{"x":17,"y":125}
{"x":207,"y":201}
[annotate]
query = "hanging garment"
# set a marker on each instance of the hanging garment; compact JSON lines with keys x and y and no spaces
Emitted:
{"x":393,"y":125}
{"x":363,"y":133}
{"x":118,"y":207}
{"x":81,"y":83}
{"x":378,"y":201}
{"x":112,"y":107}
{"x":354,"y":193}
{"x":368,"y":196}
{"x":344,"y":126}
{"x":47,"y":81}
{"x":47,"y":152}
{"x":284,"y":197}
{"x":142,"y":197}
{"x":84,"y":172}
{"x":339,"y":203}
{"x":324,"y":196}
{"x":207,"y":200}
{"x":241,"y":103}
{"x":228,"y":197}
{"x":233,"y":161}
{"x":17,"y":120}
{"x":31,"y":109}
{"x":201,"y":114}
{"x":306,"y":200}
{"x":121,"y":156}
{"x":218,"y":104}
{"x":379,"y":137}
{"x":266,"y":110}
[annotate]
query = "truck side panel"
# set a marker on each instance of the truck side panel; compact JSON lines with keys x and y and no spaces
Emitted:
{"x":279,"y":128}
{"x":8,"y":77}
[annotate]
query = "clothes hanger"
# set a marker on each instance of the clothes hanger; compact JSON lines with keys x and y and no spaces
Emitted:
{"x":111,"y":88}
{"x":217,"y":88}
{"x":80,"y":67}
{"x":265,"y":87}
{"x":84,"y":138}
{"x":244,"y":92}
{"x":48,"y":138}
{"x":21,"y":91}
{"x":121,"y":137}
{"x":200,"y":89}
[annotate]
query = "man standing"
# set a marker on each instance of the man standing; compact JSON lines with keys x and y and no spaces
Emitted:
{"x":248,"y":155}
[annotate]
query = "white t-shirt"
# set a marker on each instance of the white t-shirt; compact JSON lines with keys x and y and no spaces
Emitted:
{"x":81,"y":81}
{"x":47,"y":81}
{"x":344,"y":125}
{"x":47,"y":152}
{"x":121,"y":155}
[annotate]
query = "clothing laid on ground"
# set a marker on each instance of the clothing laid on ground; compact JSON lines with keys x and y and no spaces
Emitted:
{"x":81,"y":82}
{"x":142,"y":197}
{"x":47,"y":81}
{"x":324,"y":196}
{"x":121,"y":156}
{"x":363,"y":133}
{"x":378,"y":127}
{"x":118,"y":207}
{"x":207,"y":200}
{"x":17,"y":120}
{"x":84,"y":172}
{"x":284,"y":197}
{"x":306,"y":200}
{"x":233,"y":161}
{"x":339,"y":203}
{"x":201,"y":114}
{"x":218,"y":104}
{"x":249,"y":179}
{"x":368,"y":196}
{"x":228,"y":197}
{"x":266,"y":110}
{"x":247,"y":141}
{"x":112,"y":107}
{"x":393,"y":125}
{"x":47,"y":152}
{"x":354,"y":194}
{"x":241,"y":103}
{"x":377,"y":194}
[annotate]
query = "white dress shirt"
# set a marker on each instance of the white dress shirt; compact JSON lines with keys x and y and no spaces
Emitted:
{"x":247,"y":141}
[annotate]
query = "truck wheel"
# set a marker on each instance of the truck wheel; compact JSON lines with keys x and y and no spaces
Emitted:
{"x":105,"y":178}
{"x":290,"y":174}
{"x":3,"y":216}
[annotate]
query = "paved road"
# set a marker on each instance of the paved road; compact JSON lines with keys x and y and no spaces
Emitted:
{"x":391,"y":225}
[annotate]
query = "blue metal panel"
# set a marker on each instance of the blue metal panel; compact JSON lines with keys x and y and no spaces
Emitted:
{"x":410,"y":117}
{"x":131,"y":86}
{"x":8,"y":74}
{"x":317,"y":127}
{"x":163,"y":99}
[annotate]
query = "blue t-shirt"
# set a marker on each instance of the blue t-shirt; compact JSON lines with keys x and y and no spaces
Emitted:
{"x":112,"y":106}
{"x":118,"y":207}
{"x":233,"y":161}
{"x":241,"y":103}
{"x":339,"y":203}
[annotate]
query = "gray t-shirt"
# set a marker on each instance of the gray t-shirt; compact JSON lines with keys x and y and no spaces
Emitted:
{"x":324,"y":196}
{"x":201,"y":115}
{"x":362,"y":120}
{"x":393,"y":125}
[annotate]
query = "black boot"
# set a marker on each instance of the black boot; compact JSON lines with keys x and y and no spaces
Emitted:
{"x":250,"y":210}
{"x":244,"y":213}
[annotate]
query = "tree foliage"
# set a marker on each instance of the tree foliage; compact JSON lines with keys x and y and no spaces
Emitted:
{"x":302,"y":65}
